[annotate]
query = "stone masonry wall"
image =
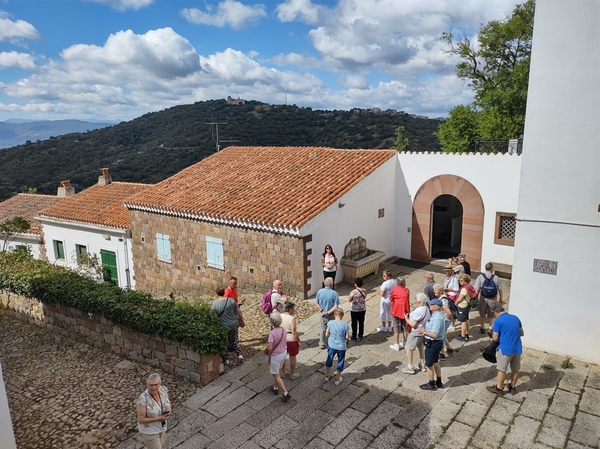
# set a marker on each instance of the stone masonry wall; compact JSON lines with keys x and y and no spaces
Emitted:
{"x":255,"y":258}
{"x":96,"y":330}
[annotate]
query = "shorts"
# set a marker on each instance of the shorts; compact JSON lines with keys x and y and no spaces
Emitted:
{"x":277,"y":362}
{"x":503,"y":361}
{"x":399,"y":325}
{"x":341,"y":358}
{"x":432,"y":353}
{"x":463,"y":314}
{"x":485,"y":307}
{"x":293,"y":348}
{"x":413,"y":342}
{"x":385,"y":307}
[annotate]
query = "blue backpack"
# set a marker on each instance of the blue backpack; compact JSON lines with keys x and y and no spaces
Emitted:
{"x":489,"y":289}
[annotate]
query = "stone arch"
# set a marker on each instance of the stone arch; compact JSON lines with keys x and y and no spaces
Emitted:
{"x":473,"y":212}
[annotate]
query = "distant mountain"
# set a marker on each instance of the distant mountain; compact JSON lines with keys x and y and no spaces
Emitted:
{"x":19,"y":131}
{"x":157,"y":145}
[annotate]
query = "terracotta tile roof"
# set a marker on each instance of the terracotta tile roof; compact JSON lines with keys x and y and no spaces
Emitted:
{"x":100,"y":205}
{"x":272,"y":188}
{"x":27,"y":205}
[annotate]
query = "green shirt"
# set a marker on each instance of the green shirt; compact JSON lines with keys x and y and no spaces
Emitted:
{"x":226,"y":310}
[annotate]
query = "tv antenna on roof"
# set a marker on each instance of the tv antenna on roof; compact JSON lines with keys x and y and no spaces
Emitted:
{"x":214,"y":129}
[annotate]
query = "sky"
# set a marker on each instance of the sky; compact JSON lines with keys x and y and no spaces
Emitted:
{"x":114,"y":60}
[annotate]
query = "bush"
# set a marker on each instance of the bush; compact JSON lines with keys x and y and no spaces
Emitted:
{"x":193,"y":325}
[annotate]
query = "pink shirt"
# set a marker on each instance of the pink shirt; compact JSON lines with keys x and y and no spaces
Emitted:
{"x":274,"y":337}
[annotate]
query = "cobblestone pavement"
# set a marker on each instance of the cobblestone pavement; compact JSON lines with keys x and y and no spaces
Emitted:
{"x":378,"y":406}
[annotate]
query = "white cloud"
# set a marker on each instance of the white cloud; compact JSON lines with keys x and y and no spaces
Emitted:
{"x":354,"y":81}
{"x":295,"y":59}
{"x":15,"y":59}
{"x":122,"y":5}
{"x":302,"y":10}
{"x":229,"y":12}
{"x":16,"y":31}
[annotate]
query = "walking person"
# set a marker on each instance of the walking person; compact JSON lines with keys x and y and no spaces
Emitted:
{"x":385,"y":305}
{"x":358,"y":309}
{"x":508,"y":331}
{"x":400,"y":299}
{"x":326,"y":302}
{"x":277,"y":351}
{"x":337,"y":333}
{"x":232,"y":292}
{"x":288,"y":322}
{"x":433,"y":340}
{"x":416,"y":320}
{"x":329,"y":263}
{"x":153,"y":409}
{"x":229,"y":315}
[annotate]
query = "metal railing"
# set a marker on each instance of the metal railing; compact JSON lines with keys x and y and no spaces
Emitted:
{"x":502,"y":146}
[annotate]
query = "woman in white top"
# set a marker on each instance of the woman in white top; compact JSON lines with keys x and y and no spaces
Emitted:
{"x":288,"y":322}
{"x":153,"y":410}
{"x":385,"y":305}
{"x":329,"y":263}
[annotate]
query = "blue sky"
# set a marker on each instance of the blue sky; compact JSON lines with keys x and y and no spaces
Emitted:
{"x":118,"y":59}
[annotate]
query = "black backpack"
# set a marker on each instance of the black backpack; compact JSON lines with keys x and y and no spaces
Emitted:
{"x":489,"y":289}
{"x":453,"y":308}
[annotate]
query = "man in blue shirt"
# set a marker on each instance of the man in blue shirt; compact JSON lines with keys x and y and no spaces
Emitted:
{"x":326,"y":302}
{"x":338,"y":332}
{"x":433,"y":339}
{"x":508,"y":332}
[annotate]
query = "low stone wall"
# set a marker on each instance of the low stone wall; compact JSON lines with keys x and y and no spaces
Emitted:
{"x":96,"y":330}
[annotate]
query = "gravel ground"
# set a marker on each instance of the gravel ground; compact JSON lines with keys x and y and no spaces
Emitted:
{"x":66,"y":394}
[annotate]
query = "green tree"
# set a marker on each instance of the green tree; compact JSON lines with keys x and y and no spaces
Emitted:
{"x":402,"y":141}
{"x":10,"y":228}
{"x":498,"y":71}
{"x":459,"y":133}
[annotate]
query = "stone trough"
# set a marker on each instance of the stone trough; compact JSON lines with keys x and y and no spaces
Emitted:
{"x":358,"y":260}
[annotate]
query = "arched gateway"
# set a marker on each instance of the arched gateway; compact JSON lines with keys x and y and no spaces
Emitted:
{"x":472,"y":217}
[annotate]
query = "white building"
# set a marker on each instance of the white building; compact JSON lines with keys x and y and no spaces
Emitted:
{"x":92,"y":222}
{"x":557,"y":251}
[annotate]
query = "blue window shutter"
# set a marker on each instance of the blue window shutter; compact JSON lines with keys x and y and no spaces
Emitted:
{"x":163,"y":247}
{"x":214,"y":252}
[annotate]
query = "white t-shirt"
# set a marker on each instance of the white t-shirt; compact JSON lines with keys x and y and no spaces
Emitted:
{"x":387,"y":287}
{"x":329,"y":259}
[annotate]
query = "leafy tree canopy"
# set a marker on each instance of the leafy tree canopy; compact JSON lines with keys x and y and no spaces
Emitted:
{"x":10,"y":228}
{"x":497,"y":69}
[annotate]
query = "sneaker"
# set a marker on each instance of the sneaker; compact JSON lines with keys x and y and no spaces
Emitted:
{"x":512,"y":390}
{"x":286,"y":397}
{"x":327,"y":378}
{"x":275,"y":390}
{"x":489,"y":332}
{"x":408,"y":370}
{"x":382,"y":329}
{"x":240,"y":358}
{"x":482,"y":330}
{"x":401,"y":345}
{"x":422,"y":367}
{"x":451,"y":328}
{"x":337,"y":382}
{"x":353,"y":338}
{"x":461,"y":338}
{"x":494,"y":389}
{"x":322,"y":347}
{"x":450,"y":350}
{"x":439,"y":384}
{"x":395,"y":347}
{"x":442,"y":356}
{"x":360,"y":338}
{"x":294,"y":376}
{"x":390,"y":329}
{"x":428,"y":386}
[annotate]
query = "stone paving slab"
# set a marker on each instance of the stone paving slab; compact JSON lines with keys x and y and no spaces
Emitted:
{"x":378,"y":406}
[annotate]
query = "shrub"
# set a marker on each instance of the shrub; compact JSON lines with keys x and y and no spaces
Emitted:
{"x":193,"y":325}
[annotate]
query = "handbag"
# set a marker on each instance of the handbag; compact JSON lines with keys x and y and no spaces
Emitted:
{"x":489,"y":353}
{"x":266,"y":350}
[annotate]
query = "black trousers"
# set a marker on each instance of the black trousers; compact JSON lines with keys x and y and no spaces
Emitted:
{"x":358,"y":320}
{"x":329,"y":274}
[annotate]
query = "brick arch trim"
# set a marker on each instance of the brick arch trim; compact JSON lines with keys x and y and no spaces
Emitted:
{"x":473,"y":213}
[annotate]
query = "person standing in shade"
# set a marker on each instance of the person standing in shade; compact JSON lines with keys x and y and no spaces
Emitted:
{"x":433,"y":339}
{"x":329,"y":263}
{"x":461,"y":259}
{"x":153,"y":409}
{"x":338,"y":333}
{"x":400,"y":299}
{"x":326,"y":302}
{"x":358,"y":309}
{"x":229,"y":315}
{"x":508,"y":331}
{"x":385,"y":305}
{"x":232,"y":292}
{"x":429,"y":282}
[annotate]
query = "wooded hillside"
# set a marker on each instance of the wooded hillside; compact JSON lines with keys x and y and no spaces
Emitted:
{"x":157,"y":145}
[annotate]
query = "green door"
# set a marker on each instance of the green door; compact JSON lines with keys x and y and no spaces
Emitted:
{"x":109,"y":262}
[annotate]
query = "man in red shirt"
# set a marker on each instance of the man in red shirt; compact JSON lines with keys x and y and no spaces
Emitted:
{"x":400,"y":299}
{"x":231,"y":290}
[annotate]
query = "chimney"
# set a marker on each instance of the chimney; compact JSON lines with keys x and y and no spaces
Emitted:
{"x":65,"y":189}
{"x":104,"y":179}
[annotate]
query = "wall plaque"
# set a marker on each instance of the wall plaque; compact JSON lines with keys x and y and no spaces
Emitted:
{"x":545,"y":266}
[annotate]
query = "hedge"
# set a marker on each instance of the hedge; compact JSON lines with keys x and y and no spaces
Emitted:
{"x":193,"y":325}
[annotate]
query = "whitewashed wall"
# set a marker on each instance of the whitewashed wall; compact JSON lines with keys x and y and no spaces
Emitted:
{"x":30,"y":240}
{"x":359,"y":216}
{"x":496,"y":177}
{"x":93,"y":237}
{"x":558,"y":216}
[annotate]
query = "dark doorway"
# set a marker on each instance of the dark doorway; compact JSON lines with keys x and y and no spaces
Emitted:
{"x":446,"y":229}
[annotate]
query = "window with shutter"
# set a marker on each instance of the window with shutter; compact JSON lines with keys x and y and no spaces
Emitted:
{"x":163,"y":247}
{"x":214,"y":252}
{"x":59,"y":249}
{"x":109,"y":263}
